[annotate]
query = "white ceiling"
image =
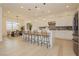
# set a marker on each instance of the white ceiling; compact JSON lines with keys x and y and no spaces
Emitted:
{"x":21,"y":10}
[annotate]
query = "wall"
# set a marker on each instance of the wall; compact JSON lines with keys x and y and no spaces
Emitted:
{"x":65,"y":19}
{"x":61,"y":34}
{"x":11,"y":18}
{"x":62,"y":19}
{"x":0,"y":24}
{"x":4,"y":26}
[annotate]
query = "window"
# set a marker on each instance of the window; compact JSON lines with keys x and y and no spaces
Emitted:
{"x":11,"y":25}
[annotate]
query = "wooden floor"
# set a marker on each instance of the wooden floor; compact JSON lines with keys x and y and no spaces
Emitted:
{"x":19,"y":47}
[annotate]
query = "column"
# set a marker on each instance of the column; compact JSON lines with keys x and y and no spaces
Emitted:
{"x":0,"y":24}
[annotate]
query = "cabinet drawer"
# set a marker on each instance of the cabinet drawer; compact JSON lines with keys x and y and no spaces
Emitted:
{"x":75,"y":38}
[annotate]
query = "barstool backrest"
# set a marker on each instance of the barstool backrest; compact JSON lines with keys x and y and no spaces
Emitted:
{"x":44,"y":33}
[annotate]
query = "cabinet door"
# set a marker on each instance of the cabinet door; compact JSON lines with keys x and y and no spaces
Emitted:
{"x":75,"y":47}
{"x":78,"y":49}
{"x":75,"y":38}
{"x":78,"y":33}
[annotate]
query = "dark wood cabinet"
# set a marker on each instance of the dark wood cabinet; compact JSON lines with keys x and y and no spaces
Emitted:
{"x":75,"y":34}
{"x":76,"y":48}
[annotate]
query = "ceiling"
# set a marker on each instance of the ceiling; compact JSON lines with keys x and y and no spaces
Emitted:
{"x":32,"y":10}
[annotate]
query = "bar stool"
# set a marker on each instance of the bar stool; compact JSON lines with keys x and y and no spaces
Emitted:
{"x":23,"y":36}
{"x":29,"y":37}
{"x":45,"y":39}
{"x":33,"y":37}
{"x":48,"y":40}
{"x":42,"y":38}
{"x":37,"y":37}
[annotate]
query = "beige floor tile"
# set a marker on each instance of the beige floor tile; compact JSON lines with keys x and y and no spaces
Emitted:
{"x":19,"y":47}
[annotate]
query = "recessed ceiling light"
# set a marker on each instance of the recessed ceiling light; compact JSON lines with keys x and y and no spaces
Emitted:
{"x":67,"y":6}
{"x":22,"y":7}
{"x":8,"y":11}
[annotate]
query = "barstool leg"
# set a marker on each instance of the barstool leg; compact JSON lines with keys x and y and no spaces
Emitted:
{"x":41,"y":40}
{"x":44,"y":40}
{"x":34,"y":39}
{"x":28,"y":38}
{"x":47,"y":42}
{"x":38,"y":40}
{"x":31,"y":39}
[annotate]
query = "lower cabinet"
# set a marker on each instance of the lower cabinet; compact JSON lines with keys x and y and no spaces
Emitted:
{"x":76,"y":47}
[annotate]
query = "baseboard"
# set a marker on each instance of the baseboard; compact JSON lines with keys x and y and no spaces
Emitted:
{"x":62,"y":38}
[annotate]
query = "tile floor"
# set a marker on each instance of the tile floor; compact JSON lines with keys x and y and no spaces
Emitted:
{"x":19,"y":47}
